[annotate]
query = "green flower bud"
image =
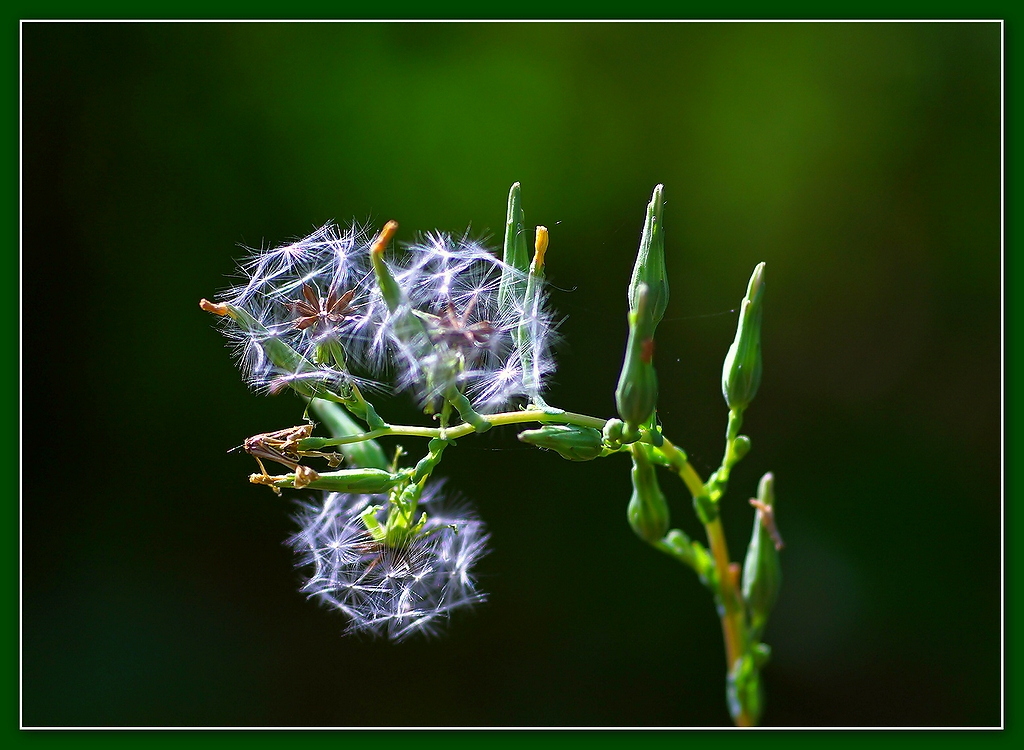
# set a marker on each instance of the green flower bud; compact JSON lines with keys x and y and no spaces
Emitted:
{"x":408,"y":327}
{"x":283,"y":356}
{"x":637,"y":393}
{"x":369,"y":519}
{"x":705,"y":508}
{"x":677,"y":544}
{"x":512,"y":289}
{"x":612,"y":432}
{"x":762,"y":573}
{"x":569,"y":441}
{"x":740,"y":447}
{"x":741,"y":373}
{"x":648,"y":511}
{"x":362,"y":481}
{"x":389,"y":287}
{"x":650,"y":269}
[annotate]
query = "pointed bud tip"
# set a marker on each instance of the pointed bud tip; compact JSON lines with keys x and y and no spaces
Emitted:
{"x":756,"y":280}
{"x":658,"y":198}
{"x":385,"y":236}
{"x":514,"y":202}
{"x":540,"y":248}
{"x":216,"y":308}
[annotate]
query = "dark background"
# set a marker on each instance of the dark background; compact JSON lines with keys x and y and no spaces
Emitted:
{"x":860,"y":161}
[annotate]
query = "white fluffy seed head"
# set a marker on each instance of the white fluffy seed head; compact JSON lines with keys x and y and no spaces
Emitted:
{"x":311,"y":294}
{"x":394,"y":592}
{"x":319,"y":295}
{"x":469,"y":340}
{"x":330,"y":257}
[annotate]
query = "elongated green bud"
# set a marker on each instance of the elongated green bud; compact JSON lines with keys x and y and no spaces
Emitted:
{"x":366,"y":454}
{"x":288,"y":360}
{"x":278,"y":352}
{"x":512,"y":289}
{"x":283,"y":356}
{"x":569,"y":441}
{"x":762,"y":573}
{"x":648,"y":510}
{"x":650,"y":267}
{"x":741,"y":373}
{"x":407,"y":326}
{"x":389,"y":287}
{"x":364,"y":481}
{"x":637,"y":393}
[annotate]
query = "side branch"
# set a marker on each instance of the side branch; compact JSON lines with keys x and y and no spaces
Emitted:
{"x":544,"y":416}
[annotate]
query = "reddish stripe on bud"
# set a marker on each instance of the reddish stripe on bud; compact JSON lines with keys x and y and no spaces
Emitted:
{"x":647,"y":351}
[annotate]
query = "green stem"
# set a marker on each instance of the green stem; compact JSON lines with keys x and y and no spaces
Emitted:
{"x":461,"y":430}
{"x":734,"y":451}
{"x":730,"y":604}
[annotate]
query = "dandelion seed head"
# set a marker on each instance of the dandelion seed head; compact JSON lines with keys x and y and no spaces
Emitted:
{"x":471,"y":340}
{"x":319,"y":296}
{"x":394,"y":592}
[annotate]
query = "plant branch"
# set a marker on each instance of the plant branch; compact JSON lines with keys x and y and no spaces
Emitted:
{"x":544,"y":416}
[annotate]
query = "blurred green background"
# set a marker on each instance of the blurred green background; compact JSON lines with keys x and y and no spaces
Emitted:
{"x":860,"y":161}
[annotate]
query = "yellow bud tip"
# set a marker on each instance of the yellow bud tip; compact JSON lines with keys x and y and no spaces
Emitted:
{"x":214,"y":307}
{"x":385,"y":236}
{"x":540,"y":246}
